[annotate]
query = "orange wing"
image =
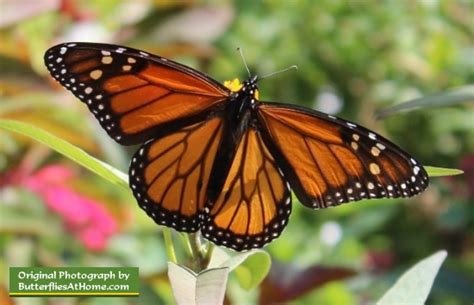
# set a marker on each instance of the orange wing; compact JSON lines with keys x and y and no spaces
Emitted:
{"x":255,"y":202}
{"x":169,"y":175}
{"x":329,"y":161}
{"x":132,"y":93}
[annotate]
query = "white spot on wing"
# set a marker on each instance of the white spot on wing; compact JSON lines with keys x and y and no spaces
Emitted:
{"x":96,"y":74}
{"x":416,"y":170}
{"x":107,"y":60}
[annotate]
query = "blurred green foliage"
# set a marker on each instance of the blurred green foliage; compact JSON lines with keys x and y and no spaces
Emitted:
{"x":354,"y":57}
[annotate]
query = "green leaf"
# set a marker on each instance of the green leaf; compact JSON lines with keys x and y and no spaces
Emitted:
{"x":448,"y":98}
{"x":250,"y":267}
{"x":441,"y":171}
{"x":253,"y":270}
{"x":205,"y":288}
{"x":68,"y":150}
{"x":413,"y":287}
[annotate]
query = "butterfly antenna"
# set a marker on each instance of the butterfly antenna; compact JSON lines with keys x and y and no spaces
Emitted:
{"x":243,"y":59}
{"x":279,"y":71}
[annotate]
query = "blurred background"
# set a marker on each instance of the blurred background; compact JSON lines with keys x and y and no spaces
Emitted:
{"x":354,"y":57}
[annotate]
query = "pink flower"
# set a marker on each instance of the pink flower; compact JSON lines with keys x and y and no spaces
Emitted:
{"x":93,"y":239}
{"x":71,"y":206}
{"x":86,"y":218}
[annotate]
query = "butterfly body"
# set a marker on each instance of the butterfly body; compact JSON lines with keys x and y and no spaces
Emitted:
{"x":216,"y":159}
{"x":240,"y":114}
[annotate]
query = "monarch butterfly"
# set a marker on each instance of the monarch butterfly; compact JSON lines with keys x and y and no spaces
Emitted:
{"x":215,"y":158}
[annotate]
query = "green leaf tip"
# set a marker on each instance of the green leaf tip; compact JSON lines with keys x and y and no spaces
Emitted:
{"x":442,"y":172}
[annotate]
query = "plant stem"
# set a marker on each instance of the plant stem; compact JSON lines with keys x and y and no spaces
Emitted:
{"x":169,"y":245}
{"x":209,"y":250}
{"x":187,"y":244}
{"x":199,"y":256}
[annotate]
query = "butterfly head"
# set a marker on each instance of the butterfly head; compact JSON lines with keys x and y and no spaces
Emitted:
{"x":248,"y":86}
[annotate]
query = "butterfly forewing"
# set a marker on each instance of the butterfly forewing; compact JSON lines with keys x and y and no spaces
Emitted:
{"x":329,"y":161}
{"x":133,"y":94}
{"x":169,"y":175}
{"x":254,"y":205}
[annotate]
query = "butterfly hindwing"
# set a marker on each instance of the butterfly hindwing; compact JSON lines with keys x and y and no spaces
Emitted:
{"x":330,"y":161}
{"x":132,"y":94}
{"x":254,"y":204}
{"x":169,"y":175}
